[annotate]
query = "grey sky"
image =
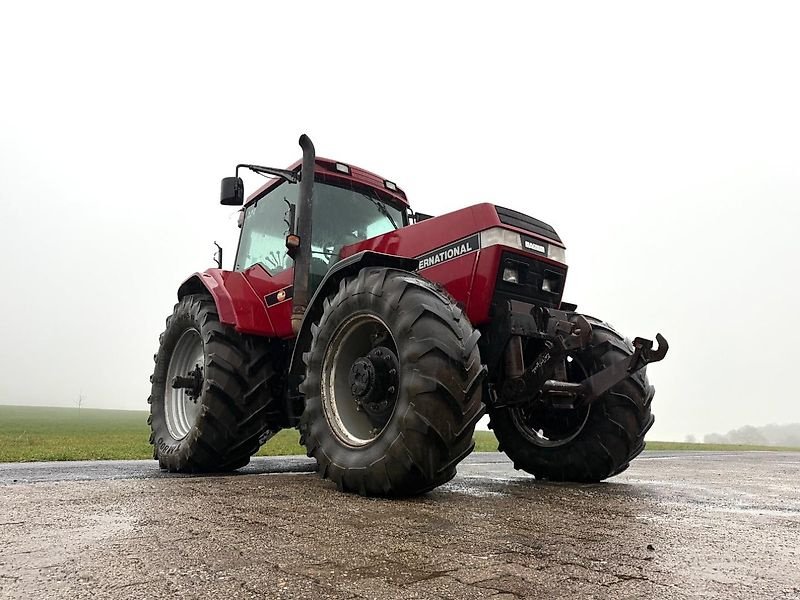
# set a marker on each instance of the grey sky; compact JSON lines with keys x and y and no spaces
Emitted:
{"x":660,"y":140}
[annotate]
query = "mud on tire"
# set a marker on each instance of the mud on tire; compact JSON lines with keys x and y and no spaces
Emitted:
{"x":605,"y":439}
{"x":438,"y":399}
{"x":235,"y":411}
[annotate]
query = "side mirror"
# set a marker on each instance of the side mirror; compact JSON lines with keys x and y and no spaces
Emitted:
{"x":419,"y":217}
{"x":232,"y":191}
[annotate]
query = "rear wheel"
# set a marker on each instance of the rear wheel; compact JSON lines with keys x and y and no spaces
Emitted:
{"x":392,"y":387}
{"x":588,"y":444}
{"x":210,"y":403}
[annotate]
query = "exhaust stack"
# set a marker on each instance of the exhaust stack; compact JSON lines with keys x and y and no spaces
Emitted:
{"x":302,"y":257}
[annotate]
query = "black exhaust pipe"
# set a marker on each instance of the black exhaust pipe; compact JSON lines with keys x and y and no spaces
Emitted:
{"x":302,"y":257}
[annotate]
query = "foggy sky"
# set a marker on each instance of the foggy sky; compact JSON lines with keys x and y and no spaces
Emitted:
{"x":661,"y":141}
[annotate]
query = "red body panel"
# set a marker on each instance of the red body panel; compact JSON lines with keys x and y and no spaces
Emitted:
{"x":469,"y":278}
{"x":280,"y":312}
{"x":241,"y":297}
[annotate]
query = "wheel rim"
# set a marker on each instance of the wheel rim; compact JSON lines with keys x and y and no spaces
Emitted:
{"x":348,"y":393}
{"x":181,"y":408}
{"x":548,"y":427}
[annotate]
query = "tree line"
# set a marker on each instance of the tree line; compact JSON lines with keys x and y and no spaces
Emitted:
{"x":765,"y":435}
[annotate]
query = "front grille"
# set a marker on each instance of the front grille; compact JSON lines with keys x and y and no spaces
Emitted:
{"x":532,"y":275}
{"x":518,"y":219}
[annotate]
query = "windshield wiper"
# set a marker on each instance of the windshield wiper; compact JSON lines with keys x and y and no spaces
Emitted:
{"x":382,"y":208}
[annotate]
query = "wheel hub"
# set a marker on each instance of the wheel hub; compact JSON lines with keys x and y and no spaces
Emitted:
{"x":192,"y":382}
{"x":362,"y":378}
{"x":373,"y":381}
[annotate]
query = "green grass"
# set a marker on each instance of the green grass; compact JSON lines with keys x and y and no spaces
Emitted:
{"x":33,"y":433}
{"x":286,"y":442}
{"x":29,"y":433}
{"x":676,"y":446}
{"x":485,"y":441}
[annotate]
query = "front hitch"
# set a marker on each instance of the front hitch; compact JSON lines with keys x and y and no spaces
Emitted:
{"x":579,"y":395}
{"x":543,"y":379}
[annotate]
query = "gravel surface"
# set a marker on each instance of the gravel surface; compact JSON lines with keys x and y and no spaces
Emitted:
{"x":681,"y":525}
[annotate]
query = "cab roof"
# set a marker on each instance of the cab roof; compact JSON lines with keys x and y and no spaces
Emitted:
{"x":332,"y":171}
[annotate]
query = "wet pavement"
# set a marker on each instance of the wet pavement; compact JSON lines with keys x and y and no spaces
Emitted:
{"x":683,"y":525}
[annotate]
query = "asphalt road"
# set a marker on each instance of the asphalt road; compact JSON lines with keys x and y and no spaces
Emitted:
{"x":683,"y":525}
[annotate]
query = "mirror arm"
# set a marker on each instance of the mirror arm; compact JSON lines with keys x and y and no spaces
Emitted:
{"x":290,"y":208}
{"x":289,"y":176}
{"x":218,"y":255}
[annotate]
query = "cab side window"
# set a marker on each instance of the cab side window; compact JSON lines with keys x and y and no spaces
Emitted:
{"x":263,"y":238}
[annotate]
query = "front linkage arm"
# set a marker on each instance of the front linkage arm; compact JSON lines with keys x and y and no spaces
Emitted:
{"x":560,"y":336}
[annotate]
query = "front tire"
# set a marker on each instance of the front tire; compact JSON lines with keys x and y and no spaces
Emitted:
{"x":392,"y":387}
{"x":217,"y":424}
{"x":586,"y":445}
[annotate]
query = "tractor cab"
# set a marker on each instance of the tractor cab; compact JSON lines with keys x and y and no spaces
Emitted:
{"x":348,"y":208}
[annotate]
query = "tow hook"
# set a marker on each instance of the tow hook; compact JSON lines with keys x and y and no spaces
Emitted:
{"x":643,"y":351}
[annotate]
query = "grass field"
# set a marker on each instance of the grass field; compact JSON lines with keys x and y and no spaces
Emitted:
{"x":35,"y":433}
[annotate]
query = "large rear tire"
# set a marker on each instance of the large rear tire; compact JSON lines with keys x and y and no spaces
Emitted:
{"x":586,"y":445}
{"x":392,"y":387}
{"x":218,"y":424}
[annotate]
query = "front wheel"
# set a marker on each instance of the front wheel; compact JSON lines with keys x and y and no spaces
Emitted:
{"x":392,"y":387}
{"x":588,"y":444}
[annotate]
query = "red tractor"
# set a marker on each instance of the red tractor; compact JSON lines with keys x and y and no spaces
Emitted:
{"x":383,"y":335}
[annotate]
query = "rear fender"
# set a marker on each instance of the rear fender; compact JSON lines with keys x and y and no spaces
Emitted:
{"x":247,"y":313}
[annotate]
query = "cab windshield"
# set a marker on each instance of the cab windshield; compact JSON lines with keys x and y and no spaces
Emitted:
{"x":344,"y":216}
{"x":340,"y":217}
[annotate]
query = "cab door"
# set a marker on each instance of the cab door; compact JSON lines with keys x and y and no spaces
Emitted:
{"x":262,"y":255}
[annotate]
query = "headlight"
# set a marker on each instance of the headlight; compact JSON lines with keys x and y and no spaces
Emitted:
{"x":510,"y":275}
{"x":557,"y":253}
{"x":497,"y":236}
